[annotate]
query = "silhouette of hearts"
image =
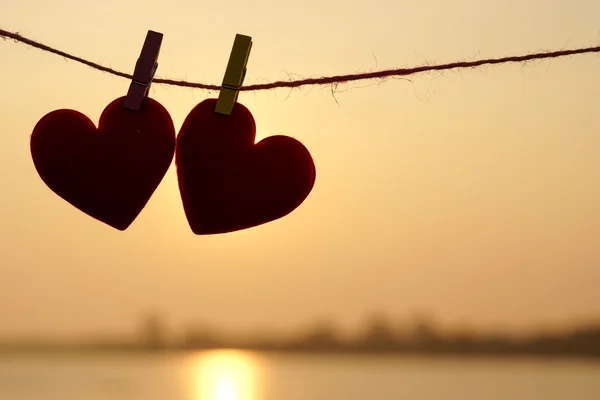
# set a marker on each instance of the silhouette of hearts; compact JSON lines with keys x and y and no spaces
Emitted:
{"x":111,"y":172}
{"x":227,"y":182}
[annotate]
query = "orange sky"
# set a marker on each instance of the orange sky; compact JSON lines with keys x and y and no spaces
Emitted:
{"x":471,"y":194}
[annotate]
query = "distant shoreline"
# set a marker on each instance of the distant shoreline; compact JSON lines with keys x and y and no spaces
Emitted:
{"x":379,"y":338}
{"x":508,"y":355}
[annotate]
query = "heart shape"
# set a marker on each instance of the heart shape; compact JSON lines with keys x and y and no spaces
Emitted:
{"x":227,"y":182}
{"x":110,"y":172}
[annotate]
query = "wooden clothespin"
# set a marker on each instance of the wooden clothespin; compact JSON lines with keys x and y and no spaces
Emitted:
{"x":234,"y":75}
{"x":145,"y":68}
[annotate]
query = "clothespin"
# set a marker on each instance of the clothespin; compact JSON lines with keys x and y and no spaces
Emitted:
{"x":145,"y":68}
{"x":234,"y":74}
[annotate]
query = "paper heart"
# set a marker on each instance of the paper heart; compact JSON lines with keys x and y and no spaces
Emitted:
{"x":227,"y":182}
{"x":110,"y":172}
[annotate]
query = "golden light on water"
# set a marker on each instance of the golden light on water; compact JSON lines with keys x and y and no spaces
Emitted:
{"x":224,"y":375}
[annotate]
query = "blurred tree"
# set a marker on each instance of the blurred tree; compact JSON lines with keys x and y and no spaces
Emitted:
{"x":199,"y":337}
{"x":153,"y":332}
{"x":321,"y":336}
{"x":378,"y":331}
{"x":424,"y":329}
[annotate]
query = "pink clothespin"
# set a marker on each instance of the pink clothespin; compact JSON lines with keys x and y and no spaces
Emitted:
{"x":145,"y":68}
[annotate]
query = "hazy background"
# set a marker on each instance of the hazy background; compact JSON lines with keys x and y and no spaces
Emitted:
{"x":473,"y":195}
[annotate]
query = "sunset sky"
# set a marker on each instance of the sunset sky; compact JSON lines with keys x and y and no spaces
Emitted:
{"x":473,"y":195}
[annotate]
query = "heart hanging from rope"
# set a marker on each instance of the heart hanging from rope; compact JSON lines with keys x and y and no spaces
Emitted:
{"x":109,"y":172}
{"x":227,"y":182}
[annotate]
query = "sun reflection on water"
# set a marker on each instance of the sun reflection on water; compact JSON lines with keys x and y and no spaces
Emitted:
{"x":224,"y":375}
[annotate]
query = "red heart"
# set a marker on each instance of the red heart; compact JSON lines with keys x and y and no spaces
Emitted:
{"x":227,"y":182}
{"x":111,"y":172}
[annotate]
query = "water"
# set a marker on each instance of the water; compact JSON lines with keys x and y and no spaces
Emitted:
{"x":233,"y":375}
